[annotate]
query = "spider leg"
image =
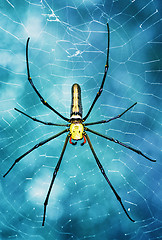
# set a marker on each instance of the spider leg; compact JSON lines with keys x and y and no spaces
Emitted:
{"x":104,"y":77}
{"x":122,"y":144}
{"x":37,"y":92}
{"x":105,"y":176}
{"x":106,"y":121}
{"x":53,"y":178}
{"x":33,"y":148}
{"x":37,"y":120}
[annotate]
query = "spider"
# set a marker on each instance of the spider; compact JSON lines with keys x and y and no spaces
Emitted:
{"x":76,"y":128}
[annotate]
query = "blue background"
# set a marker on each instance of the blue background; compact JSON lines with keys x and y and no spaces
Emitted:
{"x":68,"y":41}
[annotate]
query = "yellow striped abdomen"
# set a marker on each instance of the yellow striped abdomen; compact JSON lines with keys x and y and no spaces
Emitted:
{"x":76,"y":105}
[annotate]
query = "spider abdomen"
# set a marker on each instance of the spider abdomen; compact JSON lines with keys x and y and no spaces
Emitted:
{"x":76,"y":104}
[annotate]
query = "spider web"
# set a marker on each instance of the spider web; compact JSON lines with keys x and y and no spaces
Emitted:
{"x":68,"y":41}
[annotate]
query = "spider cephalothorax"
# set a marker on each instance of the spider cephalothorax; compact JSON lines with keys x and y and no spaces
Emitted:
{"x":76,"y":129}
{"x":77,"y":132}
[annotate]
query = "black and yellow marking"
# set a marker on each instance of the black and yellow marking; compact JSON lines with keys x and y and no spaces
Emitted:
{"x":76,"y":104}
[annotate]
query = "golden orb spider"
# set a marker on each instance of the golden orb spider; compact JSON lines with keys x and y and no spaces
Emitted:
{"x":76,"y":128}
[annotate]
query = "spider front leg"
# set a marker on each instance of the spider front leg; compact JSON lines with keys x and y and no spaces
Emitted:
{"x":53,"y":178}
{"x":120,"y":143}
{"x":33,"y":148}
{"x":105,"y":176}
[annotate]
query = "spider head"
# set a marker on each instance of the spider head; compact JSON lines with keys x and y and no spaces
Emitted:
{"x":76,"y":130}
